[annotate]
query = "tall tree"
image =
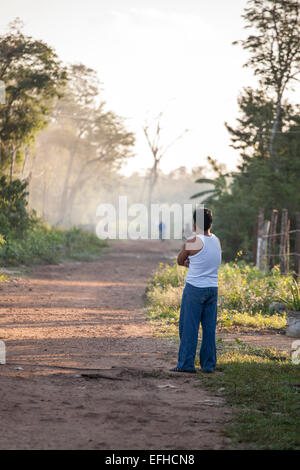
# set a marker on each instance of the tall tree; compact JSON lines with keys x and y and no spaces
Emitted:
{"x":158,"y":150}
{"x":73,"y":116}
{"x":251,"y":136}
{"x":274,"y":46}
{"x":33,"y":77}
{"x":267,"y":133}
{"x":255,"y":184}
{"x":91,"y":140}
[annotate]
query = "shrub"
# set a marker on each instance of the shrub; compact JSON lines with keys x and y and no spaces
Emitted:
{"x":293,"y":303}
{"x":26,"y":240}
{"x":167,"y":275}
{"x":14,"y":217}
{"x":245,"y":294}
{"x":44,"y":244}
{"x":244,"y":288}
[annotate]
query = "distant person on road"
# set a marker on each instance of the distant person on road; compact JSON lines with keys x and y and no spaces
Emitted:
{"x":161,"y":228}
{"x":201,"y":253}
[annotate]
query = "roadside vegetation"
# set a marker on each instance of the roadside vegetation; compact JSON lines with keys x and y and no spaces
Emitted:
{"x":246,"y":296}
{"x":45,"y":244}
{"x":261,"y":385}
{"x":25,"y":239}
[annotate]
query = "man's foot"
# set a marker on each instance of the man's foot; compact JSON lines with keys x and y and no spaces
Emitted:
{"x":177,"y":369}
{"x":208,"y":371}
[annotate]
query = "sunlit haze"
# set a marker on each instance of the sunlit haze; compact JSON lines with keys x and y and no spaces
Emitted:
{"x":152,"y":56}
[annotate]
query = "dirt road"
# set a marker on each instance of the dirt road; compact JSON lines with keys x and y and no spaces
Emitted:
{"x":84,"y":370}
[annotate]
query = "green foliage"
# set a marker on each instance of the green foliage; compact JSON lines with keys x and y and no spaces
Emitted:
{"x":274,"y":43}
{"x":268,"y":131}
{"x":167,"y":275}
{"x":244,"y":288}
{"x":245,"y":294}
{"x":229,"y":319}
{"x":44,"y":244}
{"x":33,"y":77}
{"x":14,"y":218}
{"x":294,"y":302}
{"x":2,"y":240}
{"x":254,"y":123}
{"x":26,"y":240}
{"x":256,"y":184}
{"x":220,"y":183}
{"x":261,"y":385}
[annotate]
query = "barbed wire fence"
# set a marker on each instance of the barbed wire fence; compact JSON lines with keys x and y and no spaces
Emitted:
{"x":277,"y":248}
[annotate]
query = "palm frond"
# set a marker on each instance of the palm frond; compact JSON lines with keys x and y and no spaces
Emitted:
{"x":205,"y":180}
{"x":202,"y":193}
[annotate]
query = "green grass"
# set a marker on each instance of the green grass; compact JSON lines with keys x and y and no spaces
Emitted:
{"x":244,"y":321}
{"x":263,"y":387}
{"x":44,"y":244}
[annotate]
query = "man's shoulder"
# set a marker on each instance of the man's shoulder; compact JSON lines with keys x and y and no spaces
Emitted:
{"x":191,"y":238}
{"x":194,"y":243}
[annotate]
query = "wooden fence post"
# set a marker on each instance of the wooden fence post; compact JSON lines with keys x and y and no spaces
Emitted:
{"x":264,"y":246}
{"x":260,"y":229}
{"x":287,"y":251}
{"x":283,"y":242}
{"x":255,"y":231}
{"x":272,"y":240}
{"x":297,"y":246}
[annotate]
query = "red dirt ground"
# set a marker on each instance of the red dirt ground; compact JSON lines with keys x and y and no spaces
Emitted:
{"x":89,"y":316}
{"x":84,"y":369}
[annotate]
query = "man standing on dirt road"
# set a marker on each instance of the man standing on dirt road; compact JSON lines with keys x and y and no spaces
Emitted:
{"x":202,"y":255}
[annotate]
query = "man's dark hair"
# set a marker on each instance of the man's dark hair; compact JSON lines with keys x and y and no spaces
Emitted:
{"x":203,"y":218}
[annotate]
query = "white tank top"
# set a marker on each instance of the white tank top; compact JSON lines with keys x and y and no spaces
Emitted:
{"x":204,"y":266}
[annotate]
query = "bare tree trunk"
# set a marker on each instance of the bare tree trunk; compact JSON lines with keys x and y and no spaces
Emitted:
{"x":273,"y":152}
{"x":70,"y":204}
{"x":150,"y":190}
{"x":158,"y":151}
{"x":78,"y":184}
{"x":24,"y":163}
{"x":259,"y":237}
{"x":64,"y":196}
{"x":283,"y":241}
{"x":152,"y":182}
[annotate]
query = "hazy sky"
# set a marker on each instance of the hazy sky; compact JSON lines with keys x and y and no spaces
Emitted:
{"x":170,"y":55}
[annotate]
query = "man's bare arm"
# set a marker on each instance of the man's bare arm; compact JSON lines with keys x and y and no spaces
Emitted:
{"x":182,"y":256}
{"x":192,"y":246}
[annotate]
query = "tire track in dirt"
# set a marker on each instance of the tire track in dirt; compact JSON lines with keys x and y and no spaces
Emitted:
{"x":89,"y":317}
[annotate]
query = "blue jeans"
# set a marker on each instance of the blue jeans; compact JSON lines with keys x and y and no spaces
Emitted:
{"x":198,"y":305}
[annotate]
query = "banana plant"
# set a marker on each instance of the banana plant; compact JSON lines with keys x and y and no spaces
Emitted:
{"x":220,"y":183}
{"x":294,"y":302}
